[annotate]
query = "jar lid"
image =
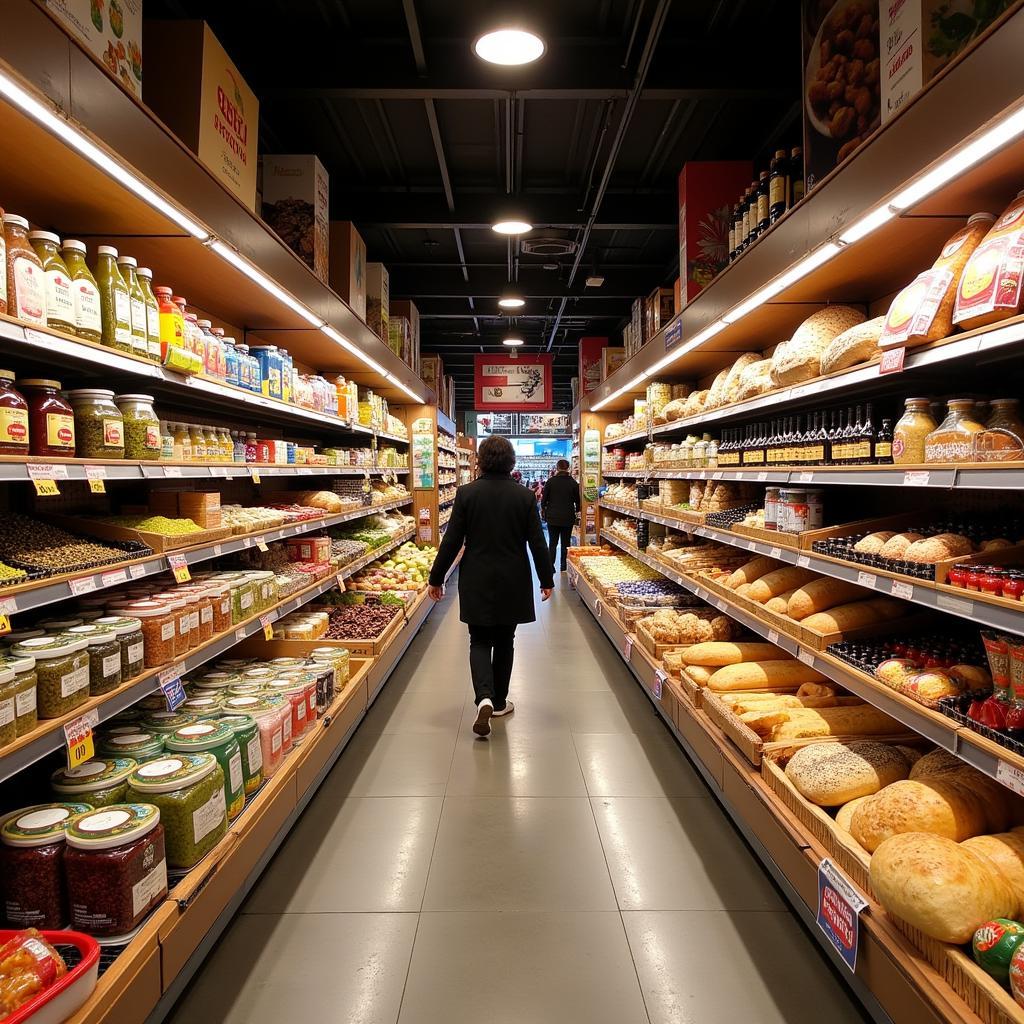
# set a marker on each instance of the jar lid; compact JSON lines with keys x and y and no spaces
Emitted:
{"x":74,"y":243}
{"x":166,"y":721}
{"x":60,"y":623}
{"x":121,"y":625}
{"x":88,"y":394}
{"x":238,"y":723}
{"x":43,"y":648}
{"x":6,"y":674}
{"x":39,"y":382}
{"x":40,"y":825}
{"x":167,"y":601}
{"x":217,"y":680}
{"x":170,"y":773}
{"x":99,"y":773}
{"x":93,"y":634}
{"x":131,"y":743}
{"x":17,"y":664}
{"x":13,"y":218}
{"x":116,"y":825}
{"x":286,"y":686}
{"x":133,"y":398}
{"x":146,"y":609}
{"x":130,"y":261}
{"x":106,"y":250}
{"x":200,"y":736}
{"x":288,"y":662}
{"x":44,"y":236}
{"x":975,"y":217}
{"x":259,"y":674}
{"x":249,"y":705}
{"x":200,"y":705}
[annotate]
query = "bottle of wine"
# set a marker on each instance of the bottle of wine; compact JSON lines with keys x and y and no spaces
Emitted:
{"x":883,"y":444}
{"x":778,"y":185}
{"x":830,"y":442}
{"x":762,"y":203}
{"x":867,"y":439}
{"x":839,"y":442}
{"x":821,"y":446}
{"x":796,"y":175}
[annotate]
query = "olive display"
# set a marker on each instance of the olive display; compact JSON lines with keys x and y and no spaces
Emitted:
{"x":42,"y":546}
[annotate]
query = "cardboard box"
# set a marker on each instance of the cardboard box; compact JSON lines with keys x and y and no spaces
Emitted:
{"x":400,"y":337}
{"x":346,"y":264}
{"x":407,"y":308}
{"x":378,"y":299}
{"x":590,"y":362}
{"x":296,"y":205}
{"x":611,"y":360}
{"x":192,"y":84}
{"x":707,"y":191}
{"x":432,"y":372}
{"x":636,"y":322}
{"x":658,"y":310}
{"x":677,"y":297}
{"x":111,"y":32}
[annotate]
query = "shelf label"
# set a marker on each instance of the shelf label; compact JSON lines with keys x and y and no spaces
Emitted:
{"x":255,"y":474}
{"x":751,"y":545}
{"x":659,"y":682}
{"x":78,"y":737}
{"x":598,"y":608}
{"x":702,"y":593}
{"x":179,"y":567}
{"x":261,"y":543}
{"x":717,"y":476}
{"x":96,"y":475}
{"x":1011,"y":777}
{"x":8,"y":606}
{"x":85,"y":585}
{"x":806,"y":657}
{"x":867,"y":579}
{"x":136,"y":571}
{"x":46,"y":488}
{"x":267,"y":622}
{"x":5,"y":624}
{"x":171,"y":686}
{"x":240,"y":634}
{"x":112,"y":579}
{"x":805,"y":478}
{"x":916,"y":478}
{"x":773,"y":636}
{"x":802,"y":560}
{"x":904,"y":590}
{"x":892,"y":361}
{"x":172,"y":470}
{"x":839,"y":910}
{"x":627,"y":646}
{"x":954,"y":604}
{"x":47,"y":471}
{"x":776,"y":552}
{"x":763,"y":475}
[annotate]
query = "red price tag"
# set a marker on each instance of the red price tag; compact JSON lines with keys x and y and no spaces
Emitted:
{"x":179,"y":567}
{"x":892,"y":361}
{"x":78,"y":737}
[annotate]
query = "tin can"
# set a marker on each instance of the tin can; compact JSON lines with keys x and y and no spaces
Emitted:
{"x":772,"y":508}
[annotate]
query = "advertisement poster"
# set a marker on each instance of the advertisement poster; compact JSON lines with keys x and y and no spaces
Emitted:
{"x":504,"y":384}
{"x":552,"y":424}
{"x":590,"y":363}
{"x":487,"y":423}
{"x":423,"y":453}
{"x":112,"y":31}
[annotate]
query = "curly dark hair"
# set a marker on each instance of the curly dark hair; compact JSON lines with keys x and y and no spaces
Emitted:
{"x":496,"y":455}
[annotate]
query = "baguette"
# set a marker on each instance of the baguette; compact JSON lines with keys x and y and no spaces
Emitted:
{"x":698,"y":673}
{"x":820,"y":595}
{"x":762,"y":722}
{"x":780,"y":604}
{"x":764,"y":675}
{"x":777,"y":582}
{"x":860,"y":720}
{"x":753,"y":570}
{"x":716,"y":653}
{"x":845,"y":616}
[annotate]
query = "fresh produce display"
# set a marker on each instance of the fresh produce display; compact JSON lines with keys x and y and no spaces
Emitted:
{"x":406,"y":569}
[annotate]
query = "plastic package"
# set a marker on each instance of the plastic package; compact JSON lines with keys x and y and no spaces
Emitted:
{"x":29,"y":967}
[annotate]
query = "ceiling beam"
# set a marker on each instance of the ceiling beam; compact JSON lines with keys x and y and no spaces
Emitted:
{"x":307,"y":94}
{"x":413,"y":25}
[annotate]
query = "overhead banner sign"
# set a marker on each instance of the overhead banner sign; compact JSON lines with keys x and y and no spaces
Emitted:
{"x":504,"y":384}
{"x":503,"y":423}
{"x":555,"y":424}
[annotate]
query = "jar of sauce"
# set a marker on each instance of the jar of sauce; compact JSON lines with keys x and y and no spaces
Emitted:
{"x":13,"y":417}
{"x":51,"y":419}
{"x":957,"y":576}
{"x":26,"y":282}
{"x":60,"y":305}
{"x":115,"y":301}
{"x":85,"y":292}
{"x":1013,"y":586}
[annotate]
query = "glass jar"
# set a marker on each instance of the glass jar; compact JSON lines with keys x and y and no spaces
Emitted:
{"x":1002,"y":440}
{"x":189,"y":790}
{"x":908,"y":436}
{"x":243,"y":600}
{"x":51,"y":419}
{"x":338,"y":657}
{"x":270,"y":718}
{"x":85,"y":293}
{"x":220,"y":600}
{"x":104,"y":657}
{"x":182,"y":442}
{"x":182,"y":622}
{"x":298,"y":700}
{"x":214,"y":683}
{"x":203,"y":604}
{"x":136,"y":304}
{"x":139,"y":745}
{"x":14,"y":436}
{"x":62,"y":673}
{"x":60,"y":305}
{"x":116,"y":868}
{"x":953,"y":439}
{"x":32,"y":865}
{"x":164,"y":722}
{"x":99,"y":427}
{"x":247,"y":735}
{"x":159,"y":631}
{"x":131,"y":640}
{"x":141,"y":427}
{"x":115,"y":302}
{"x":203,"y":708}
{"x":307,"y":678}
{"x":192,"y":602}
{"x":26,"y":283}
{"x":8,"y":726}
{"x":262,"y":674}
{"x":219,"y":740}
{"x":145,"y":276}
{"x":198,"y":439}
{"x":26,"y":716}
{"x":98,"y":783}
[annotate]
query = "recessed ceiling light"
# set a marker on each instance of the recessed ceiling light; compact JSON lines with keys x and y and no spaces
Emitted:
{"x":513,"y":342}
{"x":595,"y":281}
{"x":509,"y":46}
{"x":511,"y":302}
{"x":512,"y":227}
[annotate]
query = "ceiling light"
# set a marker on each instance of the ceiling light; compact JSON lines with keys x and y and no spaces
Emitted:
{"x":595,"y":281}
{"x":512,"y":227}
{"x":229,"y":254}
{"x":636,"y":381}
{"x":509,"y":46}
{"x":511,"y":302}
{"x":513,"y":342}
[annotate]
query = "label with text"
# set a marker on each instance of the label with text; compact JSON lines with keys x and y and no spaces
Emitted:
{"x":916,"y":478}
{"x":78,"y":737}
{"x":179,"y":567}
{"x":96,"y":475}
{"x":776,"y":552}
{"x":659,"y":683}
{"x":172,"y":470}
{"x":85,"y":585}
{"x":892,"y":360}
{"x":803,"y":561}
{"x":954,"y":604}
{"x":773,"y":636}
{"x":904,"y":590}
{"x":839,"y":910}
{"x":171,"y":686}
{"x":136,"y":571}
{"x":46,"y":488}
{"x":267,"y":622}
{"x":1011,"y":777}
{"x":867,"y":579}
{"x":47,"y":471}
{"x":806,"y":657}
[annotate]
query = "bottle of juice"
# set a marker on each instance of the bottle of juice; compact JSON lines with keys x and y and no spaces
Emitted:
{"x":145,"y":277}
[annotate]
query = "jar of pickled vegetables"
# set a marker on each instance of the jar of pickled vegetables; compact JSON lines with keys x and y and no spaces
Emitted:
{"x":60,"y":305}
{"x":99,"y":782}
{"x":26,"y":717}
{"x":247,"y":734}
{"x":130,"y":638}
{"x":271,"y":717}
{"x":219,"y":740}
{"x":62,"y":672}
{"x":141,"y":427}
{"x":139,"y":745}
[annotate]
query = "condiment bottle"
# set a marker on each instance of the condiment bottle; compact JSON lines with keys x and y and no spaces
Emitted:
{"x":136,"y":305}
{"x":85,"y":292}
{"x":13,"y":417}
{"x":26,"y":284}
{"x":910,"y":431}
{"x":172,"y":330}
{"x":182,"y":443}
{"x":115,"y":303}
{"x":145,"y":279}
{"x":60,"y":306}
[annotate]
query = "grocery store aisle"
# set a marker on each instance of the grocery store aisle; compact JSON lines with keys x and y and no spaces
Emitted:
{"x":571,"y":869}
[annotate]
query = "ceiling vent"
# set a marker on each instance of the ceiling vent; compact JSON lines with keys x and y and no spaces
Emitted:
{"x":548,"y":245}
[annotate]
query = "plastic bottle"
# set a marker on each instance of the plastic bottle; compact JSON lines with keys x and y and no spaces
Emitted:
{"x":60,"y":305}
{"x":84,"y":291}
{"x":136,"y":304}
{"x":145,"y":278}
{"x":115,"y":303}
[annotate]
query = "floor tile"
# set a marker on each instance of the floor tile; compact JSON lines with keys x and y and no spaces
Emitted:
{"x":313,"y":967}
{"x":542,"y":968}
{"x":537,"y":712}
{"x":679,"y":854}
{"x":516,"y":762}
{"x":389,"y":764}
{"x":699,"y":967}
{"x":373,"y":854}
{"x":521,"y":853}
{"x":619,"y":764}
{"x":621,"y":711}
{"x":416,"y":712}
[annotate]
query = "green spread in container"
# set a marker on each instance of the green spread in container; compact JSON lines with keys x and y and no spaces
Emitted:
{"x":99,"y":782}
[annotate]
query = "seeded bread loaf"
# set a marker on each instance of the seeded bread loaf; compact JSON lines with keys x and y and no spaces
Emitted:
{"x":830,"y":774}
{"x":732,"y":381}
{"x":857,"y":344}
{"x":873,"y":543}
{"x":897,"y":544}
{"x":799,"y":358}
{"x":845,"y":813}
{"x":929,"y":550}
{"x":756,"y":379}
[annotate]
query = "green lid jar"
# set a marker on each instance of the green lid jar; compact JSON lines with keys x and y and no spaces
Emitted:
{"x":189,"y":790}
{"x":247,"y":734}
{"x":165,"y":722}
{"x":129,"y":637}
{"x":219,"y":740}
{"x":104,"y":657}
{"x":26,"y":717}
{"x":99,"y":782}
{"x":142,"y":746}
{"x":99,"y":427}
{"x":245,"y":690}
{"x":216,"y":682}
{"x":62,"y":672}
{"x":203,"y":708}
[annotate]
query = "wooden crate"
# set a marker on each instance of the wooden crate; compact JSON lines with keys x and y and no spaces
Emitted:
{"x":743,"y":738}
{"x":692,"y":691}
{"x":908,"y":624}
{"x":773,"y":537}
{"x":157,"y":542}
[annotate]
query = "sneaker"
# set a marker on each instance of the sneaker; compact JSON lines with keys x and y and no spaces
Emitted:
{"x":484,"y":710}
{"x":506,"y":710}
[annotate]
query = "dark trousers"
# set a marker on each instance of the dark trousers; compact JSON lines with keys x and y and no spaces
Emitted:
{"x":556,"y":534}
{"x":490,"y":661}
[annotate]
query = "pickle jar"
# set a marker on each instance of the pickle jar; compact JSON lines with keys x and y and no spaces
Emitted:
{"x":26,"y":283}
{"x":189,"y":790}
{"x":84,"y":291}
{"x":164,"y":722}
{"x":116,"y":868}
{"x":271,"y":719}
{"x":159,"y":630}
{"x":8,"y":723}
{"x":104,"y":657}
{"x":62,"y":672}
{"x":136,"y":305}
{"x":99,"y":427}
{"x":138,"y":744}
{"x":26,"y":717}
{"x":203,"y":707}
{"x":219,"y":740}
{"x":247,"y":734}
{"x":141,"y":427}
{"x":99,"y":782}
{"x":130,"y":639}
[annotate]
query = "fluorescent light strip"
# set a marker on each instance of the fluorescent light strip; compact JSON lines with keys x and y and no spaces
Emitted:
{"x":341,"y":340}
{"x":229,"y":254}
{"x":74,"y":138}
{"x":636,"y":381}
{"x":398,"y":384}
{"x":868,"y":223}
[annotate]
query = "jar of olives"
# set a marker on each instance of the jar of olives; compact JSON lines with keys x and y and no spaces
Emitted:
{"x":141,"y":427}
{"x":219,"y":740}
{"x":104,"y":657}
{"x":99,"y":426}
{"x":8,"y":726}
{"x":128,"y":631}
{"x":62,"y":672}
{"x":26,"y":717}
{"x":99,"y":782}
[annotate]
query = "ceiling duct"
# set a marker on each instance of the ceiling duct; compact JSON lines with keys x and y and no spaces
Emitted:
{"x":548,"y":245}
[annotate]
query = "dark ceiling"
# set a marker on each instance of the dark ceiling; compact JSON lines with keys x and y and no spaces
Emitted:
{"x":426,"y":145}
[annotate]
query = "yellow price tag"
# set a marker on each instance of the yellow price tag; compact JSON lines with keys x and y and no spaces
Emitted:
{"x":5,"y":624}
{"x":97,"y":486}
{"x":179,"y":567}
{"x":255,"y":477}
{"x":46,"y":488}
{"x":261,"y":544}
{"x":78,"y":734}
{"x":268,"y":627}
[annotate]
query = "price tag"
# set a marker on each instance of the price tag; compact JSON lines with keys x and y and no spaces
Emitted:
{"x":255,"y":474}
{"x":267,"y":622}
{"x":173,"y":690}
{"x":78,"y":738}
{"x":763,"y":475}
{"x":659,"y":683}
{"x":262,"y":544}
{"x":598,"y":608}
{"x":892,"y":361}
{"x":172,"y":470}
{"x":47,"y":471}
{"x":867,"y":579}
{"x":240,"y":634}
{"x":803,"y":561}
{"x":218,"y":550}
{"x":805,"y":478}
{"x":701,"y":593}
{"x":751,"y":545}
{"x":179,"y":567}
{"x":806,"y":657}
{"x":136,"y":571}
{"x":112,"y":579}
{"x":839,"y":910}
{"x":627,"y":646}
{"x":904,"y":590}
{"x":1011,"y":777}
{"x":574,"y":579}
{"x":85,"y":585}
{"x":5,"y":624}
{"x":8,"y":606}
{"x":773,"y":636}
{"x":776,"y":552}
{"x":916,"y":478}
{"x":96,"y":475}
{"x":717,"y":476}
{"x":954,"y":604}
{"x":46,"y":488}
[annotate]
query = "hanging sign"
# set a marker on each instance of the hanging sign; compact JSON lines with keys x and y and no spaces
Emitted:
{"x":522,"y":384}
{"x":839,"y":910}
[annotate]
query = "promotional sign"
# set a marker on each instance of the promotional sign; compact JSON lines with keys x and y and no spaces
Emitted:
{"x":423,"y":453}
{"x":839,"y":909}
{"x":507,"y":384}
{"x":590,"y":363}
{"x":114,"y":35}
{"x":483,"y":424}
{"x":554,"y":424}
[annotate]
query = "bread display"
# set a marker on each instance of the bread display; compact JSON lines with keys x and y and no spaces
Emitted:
{"x":897,"y":544}
{"x":692,"y":626}
{"x":938,"y":548}
{"x":752,"y":570}
{"x":764,"y":675}
{"x":854,"y":615}
{"x":732,"y":381}
{"x":821,"y":594}
{"x":873,"y":543}
{"x":719,"y":654}
{"x":799,"y":358}
{"x":857,"y":344}
{"x":845,"y":813}
{"x":756,"y":379}
{"x":716,"y":393}
{"x":831,"y":774}
{"x":860,"y":720}
{"x":778,"y":581}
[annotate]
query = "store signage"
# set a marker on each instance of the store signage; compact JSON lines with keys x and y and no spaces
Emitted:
{"x":674,"y":333}
{"x":171,"y":687}
{"x":78,"y":737}
{"x":892,"y":360}
{"x":839,"y":910}
{"x":553,"y":424}
{"x":504,"y":384}
{"x":112,"y":33}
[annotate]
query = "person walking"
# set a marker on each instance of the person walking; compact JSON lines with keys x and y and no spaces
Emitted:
{"x":496,"y":519}
{"x":559,"y":505}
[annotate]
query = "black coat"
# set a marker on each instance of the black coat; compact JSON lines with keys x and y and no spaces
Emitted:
{"x":561,"y":500}
{"x":496,"y":518}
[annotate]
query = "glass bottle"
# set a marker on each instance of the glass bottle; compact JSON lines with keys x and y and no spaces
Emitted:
{"x":145,"y":279}
{"x":831,"y":453}
{"x":85,"y":293}
{"x":821,"y":441}
{"x":136,"y":305}
{"x":853,"y":437}
{"x":910,"y":431}
{"x":166,"y":442}
{"x":866,"y":442}
{"x":238,"y":446}
{"x":883,"y":444}
{"x":26,"y":284}
{"x":745,"y":221}
{"x":212,"y":443}
{"x":182,"y":442}
{"x":762,"y":203}
{"x":796,"y":175}
{"x":737,"y":228}
{"x":60,"y":304}
{"x":115,"y":303}
{"x":778,"y":185}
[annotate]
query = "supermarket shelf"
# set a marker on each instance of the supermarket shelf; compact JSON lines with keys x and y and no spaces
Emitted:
{"x":45,"y":592}
{"x":921,"y":592}
{"x":49,"y":736}
{"x":446,"y":425}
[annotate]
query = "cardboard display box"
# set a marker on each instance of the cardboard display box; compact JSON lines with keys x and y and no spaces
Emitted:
{"x":111,"y":33}
{"x":346,"y":265}
{"x":407,"y":308}
{"x":193,"y":86}
{"x":611,"y":360}
{"x":432,"y":372}
{"x":378,"y":299}
{"x":296,"y":204}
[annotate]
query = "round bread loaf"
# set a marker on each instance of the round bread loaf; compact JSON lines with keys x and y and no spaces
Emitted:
{"x":936,"y":762}
{"x":872,"y":543}
{"x":938,"y":548}
{"x":1004,"y":850}
{"x":831,"y":774}
{"x":912,"y":754}
{"x":845,"y":813}
{"x":897,"y":544}
{"x":855,"y":345}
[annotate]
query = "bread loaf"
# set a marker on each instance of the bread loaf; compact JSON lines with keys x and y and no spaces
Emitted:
{"x":820,"y":595}
{"x":756,"y":379}
{"x":986,"y":293}
{"x":780,"y":604}
{"x":938,"y":886}
{"x":716,"y":393}
{"x":830,"y":774}
{"x":842,"y":617}
{"x":675,"y":410}
{"x":897,"y":544}
{"x":698,"y":673}
{"x":765,"y":675}
{"x":718,"y":653}
{"x":763,"y":721}
{"x":857,"y":344}
{"x":799,"y":358}
{"x":936,"y":762}
{"x":752,"y":570}
{"x":858,"y":720}
{"x":816,"y":690}
{"x":732,"y":381}
{"x":873,"y":543}
{"x":938,"y":548}
{"x":845,"y":813}
{"x":777,"y":582}
{"x":1005,"y":851}
{"x":912,"y":754}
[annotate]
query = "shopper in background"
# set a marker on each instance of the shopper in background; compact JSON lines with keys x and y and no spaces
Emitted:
{"x":559,"y":505}
{"x":496,"y":519}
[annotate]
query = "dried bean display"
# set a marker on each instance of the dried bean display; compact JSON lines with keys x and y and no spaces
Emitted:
{"x":360,"y":622}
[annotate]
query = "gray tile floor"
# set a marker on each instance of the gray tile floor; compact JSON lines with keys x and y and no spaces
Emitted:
{"x":573,"y":869}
